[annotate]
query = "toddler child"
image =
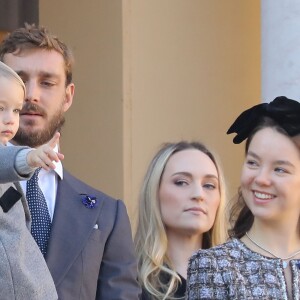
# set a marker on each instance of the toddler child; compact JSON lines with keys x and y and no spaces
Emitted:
{"x":23,"y":270}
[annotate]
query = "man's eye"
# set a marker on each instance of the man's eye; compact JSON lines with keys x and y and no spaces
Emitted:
{"x":47,"y":83}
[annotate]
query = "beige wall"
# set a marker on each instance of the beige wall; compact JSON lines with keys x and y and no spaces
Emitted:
{"x":194,"y":66}
{"x":92,"y":138}
{"x":154,"y":71}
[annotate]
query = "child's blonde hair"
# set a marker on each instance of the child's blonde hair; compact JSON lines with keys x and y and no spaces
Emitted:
{"x":7,"y":72}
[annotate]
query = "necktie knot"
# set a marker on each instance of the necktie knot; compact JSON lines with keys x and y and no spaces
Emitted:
{"x":37,"y":171}
{"x":35,"y":176}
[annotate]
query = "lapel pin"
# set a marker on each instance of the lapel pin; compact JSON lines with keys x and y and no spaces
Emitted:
{"x":89,"y":201}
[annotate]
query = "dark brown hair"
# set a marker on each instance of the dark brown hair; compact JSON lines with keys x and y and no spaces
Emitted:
{"x":37,"y":37}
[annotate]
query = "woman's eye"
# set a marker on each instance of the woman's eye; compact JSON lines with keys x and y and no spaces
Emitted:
{"x":209,"y":186}
{"x":181,"y":182}
{"x":251,"y":163}
{"x":280,"y":170}
{"x":1,"y":108}
{"x":17,"y":110}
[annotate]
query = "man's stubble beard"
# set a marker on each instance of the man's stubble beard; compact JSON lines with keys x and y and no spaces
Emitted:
{"x":35,"y":139}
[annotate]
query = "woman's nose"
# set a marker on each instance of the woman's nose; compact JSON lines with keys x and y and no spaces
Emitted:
{"x":263,"y":177}
{"x":197,"y":192}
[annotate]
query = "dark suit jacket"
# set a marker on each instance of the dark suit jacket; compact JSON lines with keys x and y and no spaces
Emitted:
{"x":87,"y":262}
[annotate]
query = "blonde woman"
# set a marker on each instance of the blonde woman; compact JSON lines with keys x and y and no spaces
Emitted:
{"x":181,"y":209}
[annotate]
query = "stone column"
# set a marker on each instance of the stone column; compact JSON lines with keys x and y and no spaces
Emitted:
{"x":280,"y":25}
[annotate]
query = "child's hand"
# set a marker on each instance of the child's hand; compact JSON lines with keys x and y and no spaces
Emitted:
{"x":44,"y":155}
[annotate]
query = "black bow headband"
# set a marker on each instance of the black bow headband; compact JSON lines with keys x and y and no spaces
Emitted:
{"x":285,"y":112}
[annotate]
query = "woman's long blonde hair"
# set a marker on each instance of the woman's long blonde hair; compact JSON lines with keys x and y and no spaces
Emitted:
{"x":151,"y":240}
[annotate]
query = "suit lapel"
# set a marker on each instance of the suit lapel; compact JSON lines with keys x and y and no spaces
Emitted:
{"x":71,"y":227}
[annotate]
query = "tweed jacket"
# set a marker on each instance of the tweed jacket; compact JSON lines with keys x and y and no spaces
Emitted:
{"x":233,"y":271}
{"x":23,"y":270}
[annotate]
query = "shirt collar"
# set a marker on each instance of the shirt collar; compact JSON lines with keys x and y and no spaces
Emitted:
{"x":58,"y":168}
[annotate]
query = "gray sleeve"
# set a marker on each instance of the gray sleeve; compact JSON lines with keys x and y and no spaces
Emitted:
{"x":8,"y":171}
{"x":21,"y":164}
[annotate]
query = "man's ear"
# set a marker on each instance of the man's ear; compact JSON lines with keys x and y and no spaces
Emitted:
{"x":70,"y":89}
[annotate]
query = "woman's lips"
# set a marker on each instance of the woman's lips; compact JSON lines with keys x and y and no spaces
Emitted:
{"x":263,"y":197}
{"x":196,"y":210}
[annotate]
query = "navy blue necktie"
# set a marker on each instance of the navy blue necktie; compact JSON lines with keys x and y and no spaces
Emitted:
{"x":41,"y":221}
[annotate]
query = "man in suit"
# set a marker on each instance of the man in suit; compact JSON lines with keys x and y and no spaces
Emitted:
{"x":90,"y":251}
